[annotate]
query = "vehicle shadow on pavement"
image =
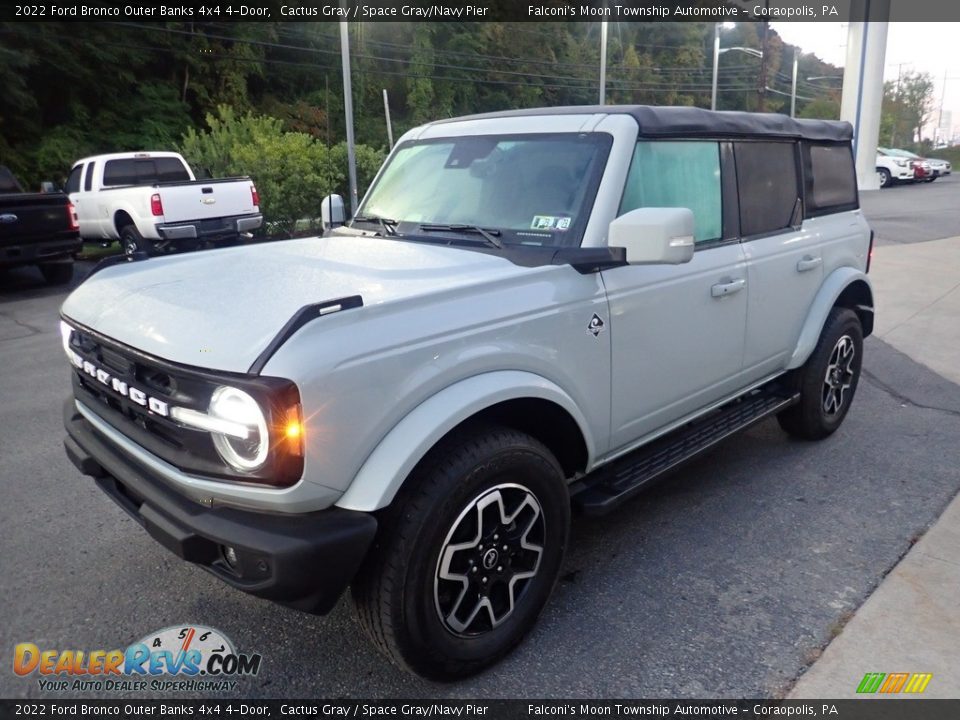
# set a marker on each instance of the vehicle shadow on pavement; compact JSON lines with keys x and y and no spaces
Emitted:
{"x":23,"y":283}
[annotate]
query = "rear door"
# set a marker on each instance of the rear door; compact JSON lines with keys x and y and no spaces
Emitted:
{"x":83,"y":193}
{"x":784,"y":258}
{"x":677,"y":331}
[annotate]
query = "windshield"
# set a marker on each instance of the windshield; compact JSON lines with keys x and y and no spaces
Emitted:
{"x":533,"y":189}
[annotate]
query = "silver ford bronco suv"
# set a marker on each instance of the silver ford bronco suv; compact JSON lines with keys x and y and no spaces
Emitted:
{"x":531,"y":311}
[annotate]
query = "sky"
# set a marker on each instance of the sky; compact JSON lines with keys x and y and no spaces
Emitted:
{"x":918,"y":47}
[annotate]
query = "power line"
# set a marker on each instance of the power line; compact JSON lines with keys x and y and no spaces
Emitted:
{"x":276,"y":61}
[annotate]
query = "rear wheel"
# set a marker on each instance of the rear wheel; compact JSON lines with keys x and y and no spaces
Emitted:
{"x":828,"y":380}
{"x":885,"y":178}
{"x":57,"y":273}
{"x":467,"y":555}
{"x":132,"y":241}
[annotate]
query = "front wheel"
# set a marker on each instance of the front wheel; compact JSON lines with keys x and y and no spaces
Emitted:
{"x":467,"y":555}
{"x":828,"y":380}
{"x":885,"y":178}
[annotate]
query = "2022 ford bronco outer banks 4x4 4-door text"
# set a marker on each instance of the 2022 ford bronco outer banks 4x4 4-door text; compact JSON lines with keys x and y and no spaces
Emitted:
{"x":530,"y":310}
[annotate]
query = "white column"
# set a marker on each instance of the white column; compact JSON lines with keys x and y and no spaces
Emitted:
{"x":863,"y":84}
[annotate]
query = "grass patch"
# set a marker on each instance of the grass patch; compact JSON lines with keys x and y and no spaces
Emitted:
{"x":91,"y":251}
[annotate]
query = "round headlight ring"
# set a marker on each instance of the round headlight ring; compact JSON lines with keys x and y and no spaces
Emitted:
{"x":235,"y":405}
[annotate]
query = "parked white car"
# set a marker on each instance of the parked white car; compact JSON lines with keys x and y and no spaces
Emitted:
{"x":152,"y":202}
{"x":531,"y":308}
{"x":892,"y":169}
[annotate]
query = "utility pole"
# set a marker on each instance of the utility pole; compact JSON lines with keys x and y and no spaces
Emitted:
{"x":793,"y":87}
{"x":716,"y":65}
{"x":348,"y":112}
{"x":762,"y":90}
{"x":603,"y":62}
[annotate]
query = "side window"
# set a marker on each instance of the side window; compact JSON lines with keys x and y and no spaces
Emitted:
{"x":678,"y":174}
{"x":119,"y":172}
{"x":832,"y":180}
{"x":767,"y":186}
{"x":170,"y":169}
{"x":88,"y":178}
{"x":73,"y":180}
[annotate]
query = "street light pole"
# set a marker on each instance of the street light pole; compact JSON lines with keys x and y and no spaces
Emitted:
{"x":793,"y":88}
{"x":717,"y":52}
{"x":348,"y":112}
{"x":603,"y":62}
{"x":716,"y":65}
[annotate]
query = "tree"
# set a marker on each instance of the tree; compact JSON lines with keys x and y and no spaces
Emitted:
{"x":907,"y":104}
{"x":292,"y":170}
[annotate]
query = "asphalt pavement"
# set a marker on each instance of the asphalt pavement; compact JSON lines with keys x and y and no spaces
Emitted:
{"x":726,"y":581}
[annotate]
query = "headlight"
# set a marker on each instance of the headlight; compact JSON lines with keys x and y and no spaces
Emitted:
{"x":235,"y":406}
{"x":65,"y":333}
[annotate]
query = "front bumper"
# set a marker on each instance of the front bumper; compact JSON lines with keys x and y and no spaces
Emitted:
{"x":210,"y":229}
{"x":303,"y":561}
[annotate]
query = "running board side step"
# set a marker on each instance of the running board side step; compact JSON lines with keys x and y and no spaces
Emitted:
{"x":602,"y":491}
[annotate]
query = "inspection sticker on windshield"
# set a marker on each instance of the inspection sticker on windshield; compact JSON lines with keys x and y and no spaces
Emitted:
{"x":550,"y":222}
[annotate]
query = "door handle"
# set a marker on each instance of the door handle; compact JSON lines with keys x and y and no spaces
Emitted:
{"x":727,"y":288}
{"x":808,"y":263}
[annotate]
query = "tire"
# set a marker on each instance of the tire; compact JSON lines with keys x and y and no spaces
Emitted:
{"x":420,"y":598}
{"x":828,"y":380}
{"x":132,"y":241}
{"x":57,"y":273}
{"x":886,"y":179}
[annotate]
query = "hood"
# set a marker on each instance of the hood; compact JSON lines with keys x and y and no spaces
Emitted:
{"x":219,"y":309}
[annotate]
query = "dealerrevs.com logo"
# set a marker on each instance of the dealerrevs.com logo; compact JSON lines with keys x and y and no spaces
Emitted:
{"x":177,"y":658}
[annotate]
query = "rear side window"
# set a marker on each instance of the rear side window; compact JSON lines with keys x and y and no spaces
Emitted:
{"x":767,"y":185}
{"x":170,"y":169}
{"x":119,"y":172}
{"x":88,"y":178}
{"x":8,"y":183}
{"x":73,"y":180}
{"x":678,"y":174}
{"x":831,"y":179}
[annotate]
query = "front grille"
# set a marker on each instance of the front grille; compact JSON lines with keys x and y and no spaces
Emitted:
{"x":134,"y":392}
{"x":185,"y":448}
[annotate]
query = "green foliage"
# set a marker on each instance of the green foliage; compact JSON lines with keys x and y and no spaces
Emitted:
{"x":821,"y":109}
{"x":907,"y":103}
{"x":72,"y":89}
{"x":293,"y":171}
{"x":952,"y":154}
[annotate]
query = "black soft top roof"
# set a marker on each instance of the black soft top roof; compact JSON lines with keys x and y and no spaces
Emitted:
{"x":664,"y":122}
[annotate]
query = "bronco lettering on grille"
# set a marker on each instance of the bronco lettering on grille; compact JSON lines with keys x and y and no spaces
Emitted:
{"x":119,"y":386}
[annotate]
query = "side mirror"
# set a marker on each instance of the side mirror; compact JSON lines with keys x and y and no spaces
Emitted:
{"x":48,"y":186}
{"x":654,"y":236}
{"x":332,"y":212}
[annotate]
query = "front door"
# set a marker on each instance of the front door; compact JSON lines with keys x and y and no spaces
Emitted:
{"x":677,"y":331}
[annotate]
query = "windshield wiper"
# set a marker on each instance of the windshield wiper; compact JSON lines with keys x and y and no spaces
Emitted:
{"x":388,"y":225}
{"x":489,"y":234}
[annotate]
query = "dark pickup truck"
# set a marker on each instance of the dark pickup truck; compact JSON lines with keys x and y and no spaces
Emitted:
{"x":37,"y":229}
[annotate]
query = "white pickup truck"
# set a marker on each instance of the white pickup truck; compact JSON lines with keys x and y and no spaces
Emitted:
{"x":152,"y":202}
